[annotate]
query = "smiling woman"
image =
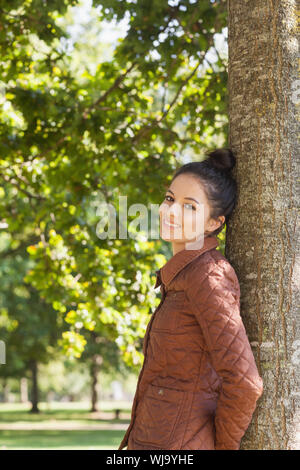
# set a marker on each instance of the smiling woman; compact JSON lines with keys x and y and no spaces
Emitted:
{"x":199,"y":383}
{"x":199,"y":200}
{"x":182,"y":221}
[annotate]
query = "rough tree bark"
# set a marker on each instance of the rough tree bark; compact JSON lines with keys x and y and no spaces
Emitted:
{"x":263,"y":243}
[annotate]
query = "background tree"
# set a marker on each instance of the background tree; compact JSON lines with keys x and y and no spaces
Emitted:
{"x":29,"y":326}
{"x":70,"y":139}
{"x":100,"y":356}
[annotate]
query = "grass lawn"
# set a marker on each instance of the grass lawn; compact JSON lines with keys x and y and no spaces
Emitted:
{"x":63,"y":426}
{"x":78,"y":440}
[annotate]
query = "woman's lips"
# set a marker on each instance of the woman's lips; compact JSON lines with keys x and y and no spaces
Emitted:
{"x":170,"y":224}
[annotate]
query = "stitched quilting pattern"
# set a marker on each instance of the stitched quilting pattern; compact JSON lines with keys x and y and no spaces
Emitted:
{"x":205,"y":353}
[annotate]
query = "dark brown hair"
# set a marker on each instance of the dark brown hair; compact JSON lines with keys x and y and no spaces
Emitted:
{"x":219,"y":186}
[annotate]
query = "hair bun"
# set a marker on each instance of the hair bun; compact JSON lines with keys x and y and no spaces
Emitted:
{"x":221,"y":159}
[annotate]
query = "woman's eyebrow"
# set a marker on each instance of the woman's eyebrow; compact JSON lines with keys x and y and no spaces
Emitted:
{"x":191,"y":199}
{"x":185,"y":197}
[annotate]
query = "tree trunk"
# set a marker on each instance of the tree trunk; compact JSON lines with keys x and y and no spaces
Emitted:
{"x":94,"y":392}
{"x":95,"y":368}
{"x":262,"y":235}
{"x":34,"y":391}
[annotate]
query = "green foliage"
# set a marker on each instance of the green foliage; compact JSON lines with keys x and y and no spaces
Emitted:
{"x":28,"y":325}
{"x":72,"y":135}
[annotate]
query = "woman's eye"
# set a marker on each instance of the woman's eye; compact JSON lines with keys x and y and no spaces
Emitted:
{"x":190,"y":206}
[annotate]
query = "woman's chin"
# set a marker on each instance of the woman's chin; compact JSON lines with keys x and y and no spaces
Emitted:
{"x":171,"y":237}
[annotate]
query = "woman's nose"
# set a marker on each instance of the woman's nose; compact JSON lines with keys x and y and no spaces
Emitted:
{"x":175,"y":210}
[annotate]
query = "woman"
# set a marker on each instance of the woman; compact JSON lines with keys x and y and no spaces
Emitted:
{"x":199,"y":383}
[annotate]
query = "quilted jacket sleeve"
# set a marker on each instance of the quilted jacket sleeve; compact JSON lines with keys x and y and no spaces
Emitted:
{"x":215,"y":301}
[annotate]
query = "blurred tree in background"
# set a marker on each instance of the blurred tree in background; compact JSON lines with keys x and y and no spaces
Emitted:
{"x":79,"y":128}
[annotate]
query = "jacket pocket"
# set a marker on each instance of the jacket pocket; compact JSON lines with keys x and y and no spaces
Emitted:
{"x":168,"y":315}
{"x":157,"y":415}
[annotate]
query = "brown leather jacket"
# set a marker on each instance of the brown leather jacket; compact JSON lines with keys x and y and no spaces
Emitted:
{"x":199,"y":383}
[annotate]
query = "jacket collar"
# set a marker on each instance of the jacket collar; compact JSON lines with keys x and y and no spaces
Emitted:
{"x":178,"y":261}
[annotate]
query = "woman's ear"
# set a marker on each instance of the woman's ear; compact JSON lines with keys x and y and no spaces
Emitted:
{"x":214,"y":224}
{"x":222,"y":220}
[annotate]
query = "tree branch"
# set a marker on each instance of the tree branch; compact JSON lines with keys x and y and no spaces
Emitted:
{"x":104,"y":96}
{"x":13,"y":182}
{"x":157,"y":121}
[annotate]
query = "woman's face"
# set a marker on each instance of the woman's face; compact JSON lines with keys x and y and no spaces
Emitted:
{"x":186,"y":208}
